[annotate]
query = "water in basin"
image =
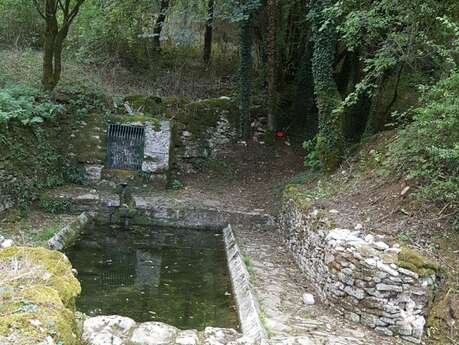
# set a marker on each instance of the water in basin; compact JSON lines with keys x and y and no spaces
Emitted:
{"x":176,"y":276}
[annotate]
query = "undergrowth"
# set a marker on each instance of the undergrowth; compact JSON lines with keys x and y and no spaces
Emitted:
{"x":427,"y":149}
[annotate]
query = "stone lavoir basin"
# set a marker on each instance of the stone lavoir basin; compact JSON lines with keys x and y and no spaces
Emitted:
{"x":172,"y":275}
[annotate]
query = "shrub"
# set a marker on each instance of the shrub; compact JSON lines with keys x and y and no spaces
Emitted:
{"x":20,"y":23}
{"x":311,"y":160}
{"x":428,"y":148}
{"x":26,"y":105}
{"x":53,"y":206}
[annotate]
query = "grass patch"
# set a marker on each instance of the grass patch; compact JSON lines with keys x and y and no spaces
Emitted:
{"x":47,"y":233}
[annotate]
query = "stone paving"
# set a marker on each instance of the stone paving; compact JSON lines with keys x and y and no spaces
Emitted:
{"x":280,"y":287}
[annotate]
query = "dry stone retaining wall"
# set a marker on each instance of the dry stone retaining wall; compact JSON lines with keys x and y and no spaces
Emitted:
{"x":359,"y":276}
{"x":192,"y":150}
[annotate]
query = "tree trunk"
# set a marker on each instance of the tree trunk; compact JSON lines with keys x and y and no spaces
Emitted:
{"x":245,"y":77}
{"x":54,"y":37}
{"x":304,"y":105}
{"x":271,"y":57}
{"x":51,"y":31}
{"x":380,"y":108}
{"x":52,"y":56}
{"x":356,"y":115}
{"x":209,"y":32}
{"x":58,"y":48}
{"x":164,"y":5}
{"x":330,"y":140}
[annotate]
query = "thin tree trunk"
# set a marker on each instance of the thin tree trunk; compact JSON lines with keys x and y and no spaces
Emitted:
{"x":164,"y":5}
{"x":58,"y":48}
{"x":271,"y":72}
{"x":245,"y":77}
{"x":51,"y":32}
{"x":209,"y":32}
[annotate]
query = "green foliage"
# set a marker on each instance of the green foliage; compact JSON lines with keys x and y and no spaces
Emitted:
{"x":53,"y":205}
{"x":73,"y":172}
{"x":311,"y":159}
{"x":240,"y":10}
{"x":20,"y":23}
{"x":428,"y":148}
{"x":26,"y":105}
{"x":176,"y":184}
{"x":47,"y":233}
{"x":394,"y":33}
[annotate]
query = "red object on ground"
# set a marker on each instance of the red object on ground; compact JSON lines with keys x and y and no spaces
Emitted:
{"x":280,"y":134}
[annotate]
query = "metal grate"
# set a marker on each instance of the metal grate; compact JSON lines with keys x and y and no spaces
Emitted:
{"x":109,"y":280}
{"x":125,"y":146}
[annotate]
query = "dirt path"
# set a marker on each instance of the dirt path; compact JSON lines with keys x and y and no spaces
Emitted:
{"x":251,"y":176}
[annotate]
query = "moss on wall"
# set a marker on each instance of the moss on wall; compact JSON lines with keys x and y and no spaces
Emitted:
{"x":297,"y":194}
{"x":414,"y":261}
{"x":85,"y":139}
{"x":195,"y":117}
{"x":29,"y":161}
{"x":37,"y":297}
{"x":199,"y":116}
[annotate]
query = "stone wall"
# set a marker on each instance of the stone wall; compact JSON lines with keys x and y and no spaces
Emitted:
{"x":365,"y":279}
{"x":203,"y":129}
{"x":193,"y":150}
{"x":29,"y":162}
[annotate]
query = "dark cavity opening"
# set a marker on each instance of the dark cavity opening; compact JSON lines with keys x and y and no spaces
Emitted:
{"x":176,"y":276}
{"x":125,"y":146}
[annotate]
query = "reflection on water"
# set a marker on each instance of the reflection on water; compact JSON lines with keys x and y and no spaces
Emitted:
{"x":176,"y":276}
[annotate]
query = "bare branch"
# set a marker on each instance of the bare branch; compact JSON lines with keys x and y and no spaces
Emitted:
{"x":75,"y":10}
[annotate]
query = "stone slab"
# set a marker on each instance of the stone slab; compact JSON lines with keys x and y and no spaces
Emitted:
{"x":246,"y":300}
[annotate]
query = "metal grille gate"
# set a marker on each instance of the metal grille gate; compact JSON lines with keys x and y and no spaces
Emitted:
{"x":125,"y":146}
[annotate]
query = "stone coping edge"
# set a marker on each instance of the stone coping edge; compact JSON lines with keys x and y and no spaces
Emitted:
{"x":245,"y":296}
{"x":68,"y":234}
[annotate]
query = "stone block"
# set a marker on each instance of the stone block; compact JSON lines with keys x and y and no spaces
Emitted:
{"x":386,"y":287}
{"x":384,"y":331}
{"x":157,"y":148}
{"x":368,"y":320}
{"x":355,"y":292}
{"x":153,"y":333}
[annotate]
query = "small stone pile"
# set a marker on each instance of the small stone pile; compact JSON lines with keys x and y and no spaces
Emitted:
{"x":219,"y":136}
{"x":259,"y":128}
{"x":365,"y":279}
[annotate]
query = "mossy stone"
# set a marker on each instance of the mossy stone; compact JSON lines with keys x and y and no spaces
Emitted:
{"x":139,"y":118}
{"x":197,"y":117}
{"x":412,"y":260}
{"x":297,"y":195}
{"x":149,"y":104}
{"x":86,"y":140}
{"x":55,"y":263}
{"x":41,"y":301}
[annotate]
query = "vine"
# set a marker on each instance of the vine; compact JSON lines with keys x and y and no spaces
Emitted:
{"x":330,"y":140}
